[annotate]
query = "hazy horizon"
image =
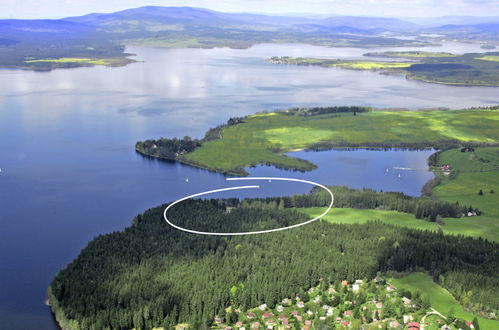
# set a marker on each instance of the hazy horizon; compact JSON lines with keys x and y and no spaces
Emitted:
{"x":419,"y":9}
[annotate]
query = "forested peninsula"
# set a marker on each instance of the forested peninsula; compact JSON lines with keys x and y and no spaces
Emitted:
{"x":152,"y":275}
{"x":472,"y":69}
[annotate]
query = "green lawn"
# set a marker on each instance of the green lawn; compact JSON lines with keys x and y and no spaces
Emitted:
{"x":255,"y":141}
{"x":440,"y":299}
{"x":474,"y":171}
{"x":486,"y":227}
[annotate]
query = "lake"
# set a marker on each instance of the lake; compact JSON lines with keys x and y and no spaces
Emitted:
{"x":70,"y":173}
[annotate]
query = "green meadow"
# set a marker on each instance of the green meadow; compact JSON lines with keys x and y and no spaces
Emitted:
{"x":482,"y":226}
{"x":412,"y":54}
{"x":440,"y":299}
{"x":489,"y":58}
{"x":265,"y":138}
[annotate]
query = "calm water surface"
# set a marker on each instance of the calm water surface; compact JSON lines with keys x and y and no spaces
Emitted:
{"x":69,"y":170}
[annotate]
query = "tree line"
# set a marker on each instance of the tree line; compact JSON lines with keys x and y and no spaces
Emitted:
{"x":152,"y":275}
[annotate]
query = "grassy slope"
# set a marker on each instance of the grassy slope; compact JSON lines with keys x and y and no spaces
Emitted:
{"x":440,"y":299}
{"x":474,"y":171}
{"x":482,"y":226}
{"x":251,"y":142}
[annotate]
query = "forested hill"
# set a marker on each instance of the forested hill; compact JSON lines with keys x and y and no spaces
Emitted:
{"x":151,"y":275}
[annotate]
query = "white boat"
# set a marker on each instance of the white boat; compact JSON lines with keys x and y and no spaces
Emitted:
{"x":186,"y":179}
{"x":386,"y":170}
{"x":398,"y":175}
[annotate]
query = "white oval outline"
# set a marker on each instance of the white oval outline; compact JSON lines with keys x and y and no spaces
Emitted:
{"x":249,"y":187}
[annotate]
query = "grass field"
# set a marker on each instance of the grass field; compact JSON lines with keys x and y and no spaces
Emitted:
{"x":489,"y":58}
{"x":81,"y":61}
{"x":486,"y":227}
{"x":257,"y":139}
{"x":474,"y":171}
{"x":414,"y":54}
{"x":440,"y":299}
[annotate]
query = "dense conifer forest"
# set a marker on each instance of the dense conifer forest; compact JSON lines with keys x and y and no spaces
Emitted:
{"x":152,"y":275}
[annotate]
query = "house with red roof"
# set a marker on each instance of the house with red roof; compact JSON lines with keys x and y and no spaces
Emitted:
{"x":413,"y":326}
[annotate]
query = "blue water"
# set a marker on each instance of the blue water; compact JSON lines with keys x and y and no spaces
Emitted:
{"x":70,"y":173}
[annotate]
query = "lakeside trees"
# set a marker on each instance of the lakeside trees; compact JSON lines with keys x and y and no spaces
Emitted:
{"x":153,"y":275}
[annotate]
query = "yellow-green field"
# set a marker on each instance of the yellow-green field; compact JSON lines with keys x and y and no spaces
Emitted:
{"x":440,"y":299}
{"x":257,"y":140}
{"x":486,"y":227}
{"x":489,"y":58}
{"x":76,"y":60}
{"x":412,"y":54}
{"x":370,"y":65}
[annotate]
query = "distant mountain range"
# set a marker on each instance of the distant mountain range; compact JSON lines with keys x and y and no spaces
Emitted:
{"x":104,"y":35}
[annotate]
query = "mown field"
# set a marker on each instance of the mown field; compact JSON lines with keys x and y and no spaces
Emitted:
{"x":482,"y":226}
{"x":440,"y":299}
{"x":472,"y":172}
{"x":265,"y":138}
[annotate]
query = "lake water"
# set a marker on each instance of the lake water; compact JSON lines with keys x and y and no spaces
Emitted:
{"x":69,"y":170}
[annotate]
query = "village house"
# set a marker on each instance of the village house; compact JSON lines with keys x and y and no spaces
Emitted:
{"x":445,"y":327}
{"x":250,"y":315}
{"x":407,"y":318}
{"x":317,"y":300}
{"x":406,"y":300}
{"x":470,"y":325}
{"x":332,"y":290}
{"x":359,"y":282}
{"x":310,"y":313}
{"x":266,"y":315}
{"x":325,"y":307}
{"x":270,"y":322}
{"x":355,"y":287}
{"x":262,"y":307}
{"x":344,"y":283}
{"x":338,"y":319}
{"x":228,"y":328}
{"x":394,"y":324}
{"x":299,"y":318}
{"x":282,"y":317}
{"x":413,"y":326}
{"x":379,"y":304}
{"x":239,"y":324}
{"x":390,"y":288}
{"x":308,"y":322}
{"x":346,"y":323}
{"x":218,"y":320}
{"x":294,"y":313}
{"x":279,"y":308}
{"x":300,"y":304}
{"x":329,"y":312}
{"x":348,"y":313}
{"x":322,"y":318}
{"x":255,"y":325}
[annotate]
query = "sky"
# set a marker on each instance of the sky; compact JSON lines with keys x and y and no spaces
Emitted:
{"x":391,"y":8}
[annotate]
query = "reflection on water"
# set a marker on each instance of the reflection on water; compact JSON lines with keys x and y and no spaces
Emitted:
{"x":69,"y":170}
